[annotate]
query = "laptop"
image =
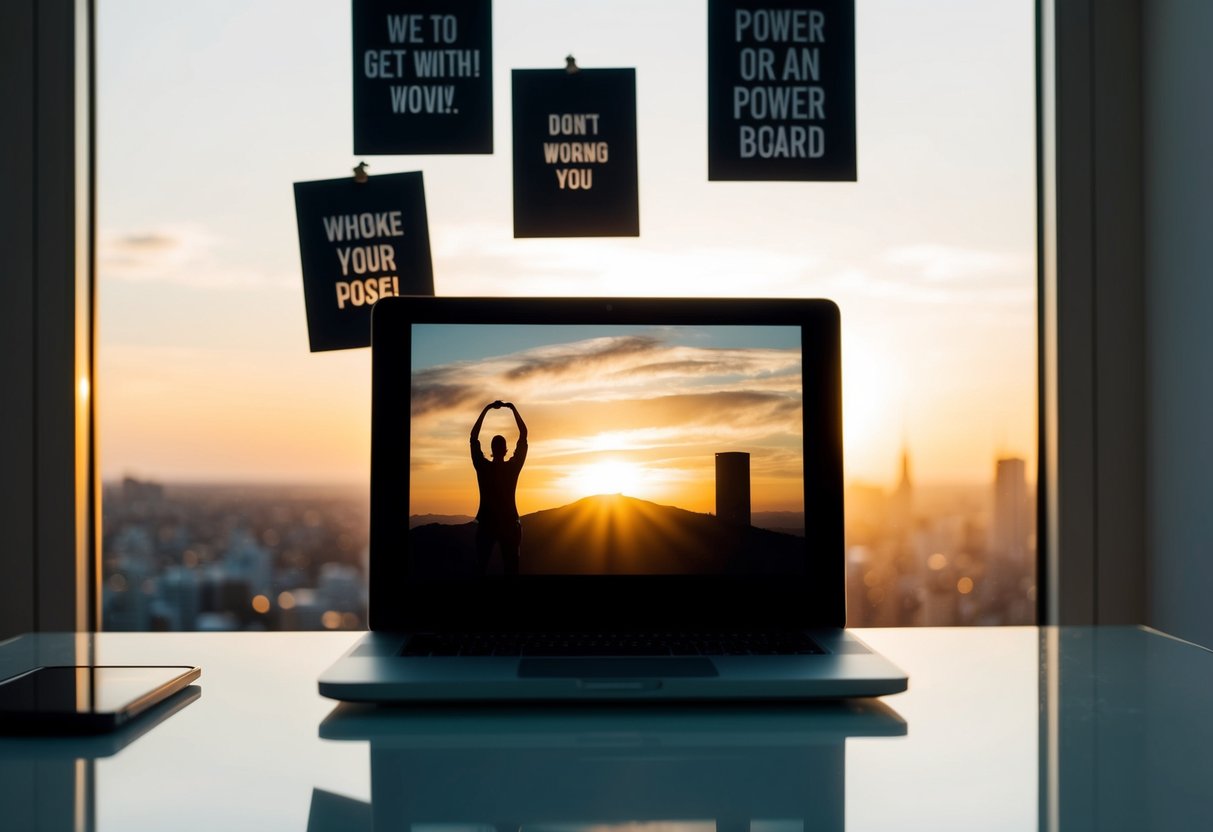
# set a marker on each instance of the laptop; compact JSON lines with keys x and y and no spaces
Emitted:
{"x":605,"y":499}
{"x":757,"y":768}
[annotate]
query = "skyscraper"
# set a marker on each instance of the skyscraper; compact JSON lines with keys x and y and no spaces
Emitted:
{"x":901,"y":504}
{"x":733,"y":487}
{"x":1012,"y":522}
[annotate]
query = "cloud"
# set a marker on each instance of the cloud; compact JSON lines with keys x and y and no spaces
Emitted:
{"x":583,"y":358}
{"x":436,"y":396}
{"x":624,"y":368}
{"x":183,"y":255}
{"x":635,"y":360}
{"x":665,"y":420}
{"x":151,"y":241}
{"x":693,"y":363}
{"x":751,"y":409}
{"x":661,"y":403}
{"x":484,"y":258}
{"x":941,"y":264}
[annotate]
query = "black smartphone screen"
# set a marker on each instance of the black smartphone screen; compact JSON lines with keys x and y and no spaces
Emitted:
{"x":87,"y":697}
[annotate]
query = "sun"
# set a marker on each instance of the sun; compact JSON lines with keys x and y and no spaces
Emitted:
{"x":608,"y":477}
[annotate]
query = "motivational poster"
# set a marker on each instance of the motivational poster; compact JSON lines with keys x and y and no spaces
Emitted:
{"x":358,"y":242}
{"x":781,"y":90}
{"x":575,"y":153}
{"x":423,"y":76}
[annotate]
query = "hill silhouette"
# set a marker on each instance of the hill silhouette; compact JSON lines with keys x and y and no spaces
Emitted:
{"x":611,"y":534}
{"x":446,"y":519}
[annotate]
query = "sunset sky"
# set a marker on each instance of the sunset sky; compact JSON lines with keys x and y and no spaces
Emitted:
{"x":208,"y":112}
{"x":638,"y":411}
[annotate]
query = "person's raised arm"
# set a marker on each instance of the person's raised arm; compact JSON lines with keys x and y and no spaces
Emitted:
{"x":518,"y":419}
{"x":480,"y":419}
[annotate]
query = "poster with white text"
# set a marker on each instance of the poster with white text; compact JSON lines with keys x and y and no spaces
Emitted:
{"x":575,"y":153}
{"x":781,"y":90}
{"x":358,"y":242}
{"x":423,"y":76}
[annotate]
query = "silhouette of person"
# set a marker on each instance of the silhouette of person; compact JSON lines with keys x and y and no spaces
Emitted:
{"x":497,"y":517}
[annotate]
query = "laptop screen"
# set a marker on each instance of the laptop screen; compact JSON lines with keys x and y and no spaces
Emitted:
{"x":622,"y":450}
{"x":592,"y":460}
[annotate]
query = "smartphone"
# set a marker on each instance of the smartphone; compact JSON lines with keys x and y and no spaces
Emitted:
{"x":85,"y":699}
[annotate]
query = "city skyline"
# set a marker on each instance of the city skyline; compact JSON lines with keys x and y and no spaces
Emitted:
{"x":249,"y":557}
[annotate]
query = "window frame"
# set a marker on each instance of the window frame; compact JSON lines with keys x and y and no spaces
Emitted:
{"x":48,"y":481}
{"x":1090,"y":333}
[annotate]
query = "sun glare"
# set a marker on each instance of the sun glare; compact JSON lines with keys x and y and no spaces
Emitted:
{"x":609,"y":477}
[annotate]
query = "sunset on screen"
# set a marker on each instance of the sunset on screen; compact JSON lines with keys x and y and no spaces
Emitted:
{"x":634,"y":411}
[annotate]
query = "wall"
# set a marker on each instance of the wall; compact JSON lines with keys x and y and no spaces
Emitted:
{"x":17,"y":582}
{"x":48,"y":570}
{"x":1178,"y":230}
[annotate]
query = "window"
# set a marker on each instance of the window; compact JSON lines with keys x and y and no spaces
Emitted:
{"x":236,"y":462}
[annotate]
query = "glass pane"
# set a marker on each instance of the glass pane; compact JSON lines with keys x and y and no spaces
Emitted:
{"x":236,"y":462}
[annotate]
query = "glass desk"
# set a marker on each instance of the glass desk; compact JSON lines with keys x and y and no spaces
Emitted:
{"x":1001,"y":729}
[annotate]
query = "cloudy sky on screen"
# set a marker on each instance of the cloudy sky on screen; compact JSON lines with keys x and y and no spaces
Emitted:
{"x":660,"y":401}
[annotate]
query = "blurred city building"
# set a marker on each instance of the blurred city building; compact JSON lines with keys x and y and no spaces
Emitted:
{"x":942,"y":555}
{"x":180,"y":557}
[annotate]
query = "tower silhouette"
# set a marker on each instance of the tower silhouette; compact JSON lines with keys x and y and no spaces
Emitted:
{"x":733,"y":487}
{"x":1012,"y":518}
{"x":901,"y":503}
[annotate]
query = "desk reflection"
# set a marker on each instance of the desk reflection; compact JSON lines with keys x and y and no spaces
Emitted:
{"x":48,"y":783}
{"x":697,"y":769}
{"x":1127,"y":731}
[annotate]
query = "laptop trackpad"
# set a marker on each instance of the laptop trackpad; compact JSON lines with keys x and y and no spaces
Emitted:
{"x":624,"y":668}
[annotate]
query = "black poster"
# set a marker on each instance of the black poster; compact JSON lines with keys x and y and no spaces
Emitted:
{"x":781,"y":90}
{"x":575,"y":153}
{"x":359,"y":242}
{"x":423,"y":76}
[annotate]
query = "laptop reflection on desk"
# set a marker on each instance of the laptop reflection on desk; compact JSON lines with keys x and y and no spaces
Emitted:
{"x":775,"y":769}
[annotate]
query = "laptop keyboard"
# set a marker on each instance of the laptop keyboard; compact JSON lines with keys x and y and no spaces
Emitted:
{"x":612,"y":644}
